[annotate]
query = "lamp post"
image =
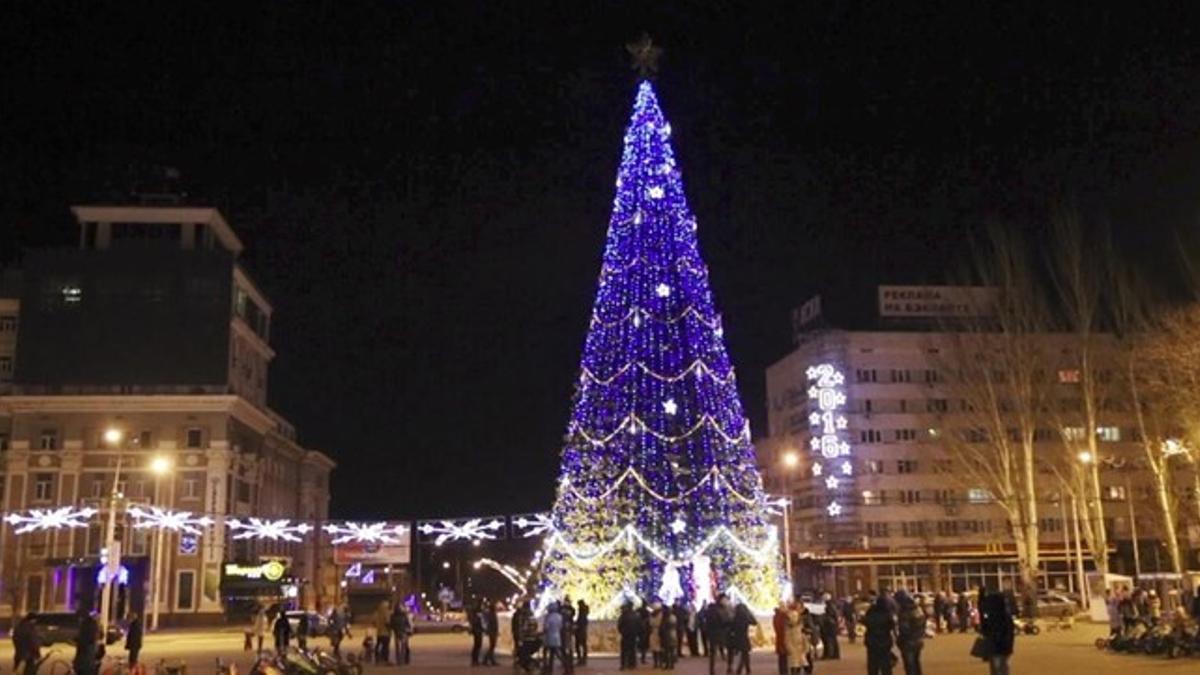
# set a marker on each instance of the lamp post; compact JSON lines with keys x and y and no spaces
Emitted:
{"x":159,"y":466}
{"x":112,"y":438}
{"x":791,"y":460}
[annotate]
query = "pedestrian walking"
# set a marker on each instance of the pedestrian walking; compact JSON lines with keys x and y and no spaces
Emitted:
{"x":133,"y":638}
{"x":581,"y":633}
{"x":628,"y":629}
{"x":261,"y":626}
{"x":282,"y":630}
{"x":910,"y":633}
{"x":996,"y":627}
{"x":829,"y":630}
{"x":27,"y":649}
{"x":336,"y":631}
{"x":879,"y":638}
{"x":475,"y":621}
{"x":402,"y":628}
{"x":798,"y":646}
{"x":552,"y":629}
{"x":963,"y":608}
{"x":383,"y":632}
{"x":491,"y":628}
{"x":850,"y":617}
{"x":86,"y":661}
{"x":739,"y":637}
{"x":719,"y":624}
{"x":1111,"y":606}
{"x":302,"y":629}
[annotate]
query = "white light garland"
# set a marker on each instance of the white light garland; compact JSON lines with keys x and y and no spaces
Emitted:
{"x":713,"y":475}
{"x":164,"y":519}
{"x":588,"y":554}
{"x":273,"y":530}
{"x":473,"y":530}
{"x":366,"y":533}
{"x":696,"y":368}
{"x":636,"y":424}
{"x":49,"y":519}
{"x":531,"y":525}
{"x":692,"y":312}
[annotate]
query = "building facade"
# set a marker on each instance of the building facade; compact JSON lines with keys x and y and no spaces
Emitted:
{"x":904,"y":518}
{"x":148,"y":347}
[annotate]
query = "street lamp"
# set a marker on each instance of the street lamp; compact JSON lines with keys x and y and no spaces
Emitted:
{"x":791,"y":460}
{"x":159,"y":466}
{"x":112,"y":437}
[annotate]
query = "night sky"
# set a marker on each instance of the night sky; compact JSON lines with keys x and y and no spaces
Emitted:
{"x":424,"y":187}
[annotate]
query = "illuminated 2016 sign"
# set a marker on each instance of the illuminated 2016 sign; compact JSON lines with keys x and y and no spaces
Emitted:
{"x":831,"y":466}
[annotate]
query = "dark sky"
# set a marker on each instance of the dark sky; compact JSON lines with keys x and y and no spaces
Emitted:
{"x":424,"y":186}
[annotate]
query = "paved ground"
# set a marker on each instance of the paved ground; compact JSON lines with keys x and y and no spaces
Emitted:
{"x":1057,"y":653}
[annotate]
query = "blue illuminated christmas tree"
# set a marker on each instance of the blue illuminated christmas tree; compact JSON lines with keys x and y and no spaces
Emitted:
{"x":659,"y":495}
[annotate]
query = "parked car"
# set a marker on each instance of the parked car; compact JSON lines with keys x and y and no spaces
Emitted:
{"x":1055,"y":604}
{"x":63,"y":628}
{"x":317,"y":624}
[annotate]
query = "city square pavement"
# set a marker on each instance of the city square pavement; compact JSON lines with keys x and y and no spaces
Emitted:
{"x":1058,"y":653}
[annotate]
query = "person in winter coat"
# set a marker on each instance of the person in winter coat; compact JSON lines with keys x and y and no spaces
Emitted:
{"x":798,"y":641}
{"x":668,"y":638}
{"x":829,"y":631}
{"x":27,"y":649}
{"x":963,"y":609}
{"x":568,"y":634}
{"x":739,"y":636}
{"x":336,"y":631}
{"x":302,"y":631}
{"x":779,"y":623}
{"x":401,"y":625}
{"x":879,"y":639}
{"x":261,"y":627}
{"x":581,"y":633}
{"x":282,"y":630}
{"x":1111,"y":605}
{"x":645,"y":626}
{"x":491,"y":620}
{"x":383,"y":632}
{"x":133,"y":638}
{"x":475,"y":621}
{"x":719,"y":624}
{"x":656,"y":619}
{"x":996,"y":626}
{"x":910,"y":633}
{"x":552,"y":627}
{"x":629,"y":630}
{"x":86,"y":661}
{"x":850,"y":615}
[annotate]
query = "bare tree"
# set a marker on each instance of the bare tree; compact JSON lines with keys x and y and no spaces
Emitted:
{"x":997,"y":372}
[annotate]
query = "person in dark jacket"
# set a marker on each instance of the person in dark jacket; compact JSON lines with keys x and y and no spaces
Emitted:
{"x":86,"y":661}
{"x":475,"y":621}
{"x":879,"y":639}
{"x":282,"y":630}
{"x":739,"y":637}
{"x":681,"y":623}
{"x":963,"y":609}
{"x":27,"y":649}
{"x":717,"y":627}
{"x":133,"y":638}
{"x":996,"y":626}
{"x":491,"y":628}
{"x":644,"y":626}
{"x":302,"y":629}
{"x":581,"y":633}
{"x":629,"y":628}
{"x":829,"y":631}
{"x":910,"y":633}
{"x":702,"y":625}
{"x":401,"y":625}
{"x":850,"y":615}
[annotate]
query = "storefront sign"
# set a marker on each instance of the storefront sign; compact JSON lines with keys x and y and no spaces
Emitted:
{"x":272,"y":570}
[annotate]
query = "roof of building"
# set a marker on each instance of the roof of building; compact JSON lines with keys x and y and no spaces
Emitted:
{"x":162,"y":214}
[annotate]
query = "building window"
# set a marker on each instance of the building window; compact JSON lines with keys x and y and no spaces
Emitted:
{"x":5,"y":367}
{"x":903,"y":435}
{"x":195,"y":438}
{"x":1074,"y":433}
{"x":975,"y":435}
{"x":43,"y":487}
{"x":185,"y":590}
{"x":1115,"y":493}
{"x":1109,"y":434}
{"x":1050,"y":524}
{"x":871,"y":436}
{"x":1044,"y":435}
{"x":910,"y":496}
{"x":864,"y":375}
{"x":935,"y":405}
{"x":977,"y":526}
{"x":872,"y":497}
{"x":191,"y":488}
{"x":979,"y":496}
{"x":98,"y":488}
{"x":947,"y":528}
{"x":915,"y":528}
{"x":874,"y":466}
{"x":945,"y":497}
{"x":878,"y":530}
{"x":143,"y":439}
{"x":901,"y":376}
{"x":932,"y":376}
{"x":906,"y":466}
{"x":1069,"y":376}
{"x":8,"y":323}
{"x":48,"y":440}
{"x":943,"y":466}
{"x":3,"y":441}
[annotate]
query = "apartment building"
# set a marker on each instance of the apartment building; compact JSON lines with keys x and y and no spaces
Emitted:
{"x":147,"y":343}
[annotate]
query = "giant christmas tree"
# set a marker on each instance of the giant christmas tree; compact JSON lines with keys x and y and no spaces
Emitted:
{"x":659,"y":496}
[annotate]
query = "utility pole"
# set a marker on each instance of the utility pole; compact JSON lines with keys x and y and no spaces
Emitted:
{"x":112,"y":436}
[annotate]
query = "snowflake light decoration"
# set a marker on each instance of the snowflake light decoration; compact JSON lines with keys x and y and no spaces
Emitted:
{"x":473,"y":530}
{"x":176,"y":521}
{"x":670,"y":407}
{"x":49,"y":519}
{"x":532,"y":525}
{"x":366,"y":533}
{"x":274,"y":530}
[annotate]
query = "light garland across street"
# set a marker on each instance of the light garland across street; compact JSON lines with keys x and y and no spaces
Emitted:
{"x":273,"y":530}
{"x":474,"y":530}
{"x":35,"y":520}
{"x":365,"y":533}
{"x":176,"y":521}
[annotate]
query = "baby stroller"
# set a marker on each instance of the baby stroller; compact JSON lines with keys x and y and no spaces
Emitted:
{"x":527,"y":654}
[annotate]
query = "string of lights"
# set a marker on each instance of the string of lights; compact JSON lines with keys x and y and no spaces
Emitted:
{"x":633,"y":423}
{"x":638,"y":315}
{"x":696,"y":369}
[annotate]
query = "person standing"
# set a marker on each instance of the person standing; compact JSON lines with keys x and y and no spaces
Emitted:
{"x":302,"y":629}
{"x":27,"y":649}
{"x":739,"y":638}
{"x":337,"y":631}
{"x":383,"y":632}
{"x":133,"y":638}
{"x":627,"y":628}
{"x":691,"y":627}
{"x":910,"y":633}
{"x":261,"y":626}
{"x":879,"y":639}
{"x":581,"y":633}
{"x":996,"y":626}
{"x":669,"y":637}
{"x":719,"y":625}
{"x":86,"y":661}
{"x":401,"y":625}
{"x":492,"y":629}
{"x":779,"y":623}
{"x":475,"y":621}
{"x":829,"y":630}
{"x":552,"y":627}
{"x":963,"y":608}
{"x":645,"y":629}
{"x":850,"y":617}
{"x":680,"y":609}
{"x":568,"y":634}
{"x":798,"y":647}
{"x":282,"y":630}
{"x":702,"y":617}
{"x":1114,"y":613}
{"x":656,"y":619}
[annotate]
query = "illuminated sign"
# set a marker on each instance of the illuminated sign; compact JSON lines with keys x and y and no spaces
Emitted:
{"x":831,"y":464}
{"x":272,"y":570}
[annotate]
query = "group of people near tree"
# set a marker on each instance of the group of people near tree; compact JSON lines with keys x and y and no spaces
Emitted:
{"x":89,"y":648}
{"x":661,"y":630}
{"x":563,"y":635}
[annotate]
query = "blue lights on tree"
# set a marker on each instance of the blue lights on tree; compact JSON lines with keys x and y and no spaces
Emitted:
{"x":659,"y":493}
